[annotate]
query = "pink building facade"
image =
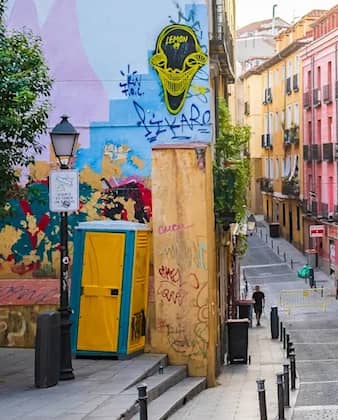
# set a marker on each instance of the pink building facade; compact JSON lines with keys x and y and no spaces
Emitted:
{"x":320,"y":139}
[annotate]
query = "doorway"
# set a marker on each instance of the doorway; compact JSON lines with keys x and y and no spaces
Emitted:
{"x":290,"y":227}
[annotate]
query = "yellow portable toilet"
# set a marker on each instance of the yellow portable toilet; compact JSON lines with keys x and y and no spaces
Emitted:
{"x":109,"y":288}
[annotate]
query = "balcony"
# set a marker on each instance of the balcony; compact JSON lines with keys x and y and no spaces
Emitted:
{"x":327,"y":94}
{"x":328,"y":152}
{"x":266,"y":185}
{"x":336,"y":91}
{"x":267,"y":141}
{"x":295,"y":86}
{"x":221,"y":41}
{"x":288,"y":89}
{"x":314,"y":208}
{"x":267,"y":96}
{"x":287,"y":137}
{"x":316,"y":96}
{"x":307,"y":153}
{"x":335,"y":214}
{"x":294,"y":134}
{"x":290,"y":187}
{"x":316,"y":152}
{"x":307,"y":100}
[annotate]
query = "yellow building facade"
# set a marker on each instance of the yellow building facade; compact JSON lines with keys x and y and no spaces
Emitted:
{"x":275,"y":144}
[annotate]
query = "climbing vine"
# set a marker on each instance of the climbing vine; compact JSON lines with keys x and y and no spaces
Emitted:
{"x":231,"y":169}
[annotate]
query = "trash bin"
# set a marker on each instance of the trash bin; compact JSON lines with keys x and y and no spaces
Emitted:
{"x":312,"y":257}
{"x":47,"y":349}
{"x":274,"y":229}
{"x":237,"y":340}
{"x":109,"y":288}
{"x":245,"y":309}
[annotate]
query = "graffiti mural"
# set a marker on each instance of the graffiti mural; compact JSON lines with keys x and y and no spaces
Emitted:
{"x":154,"y":89}
{"x":177,"y":59}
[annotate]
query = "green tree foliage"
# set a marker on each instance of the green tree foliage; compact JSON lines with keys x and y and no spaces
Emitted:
{"x":25,"y":87}
{"x":231,"y":169}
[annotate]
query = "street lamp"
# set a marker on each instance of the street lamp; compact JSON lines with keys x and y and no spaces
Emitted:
{"x":64,"y":139}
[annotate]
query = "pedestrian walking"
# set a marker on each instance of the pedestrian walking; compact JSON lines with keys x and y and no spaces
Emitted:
{"x":259,"y":299}
{"x":312,"y":281}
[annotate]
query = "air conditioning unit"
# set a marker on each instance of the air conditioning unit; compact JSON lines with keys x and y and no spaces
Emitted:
{"x":330,"y":216}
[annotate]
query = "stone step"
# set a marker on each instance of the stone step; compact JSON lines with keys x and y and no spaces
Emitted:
{"x":125,"y":406}
{"x":174,"y":398}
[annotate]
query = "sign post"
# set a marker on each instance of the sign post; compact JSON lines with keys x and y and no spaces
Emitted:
{"x":64,"y":190}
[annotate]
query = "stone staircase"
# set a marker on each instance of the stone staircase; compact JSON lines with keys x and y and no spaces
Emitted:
{"x":168,"y":389}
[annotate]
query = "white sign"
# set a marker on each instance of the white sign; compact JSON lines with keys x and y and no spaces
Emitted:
{"x":317,"y":231}
{"x":64,"y":190}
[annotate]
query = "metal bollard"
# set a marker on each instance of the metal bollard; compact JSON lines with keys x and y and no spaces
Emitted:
{"x":286,"y":385}
{"x":284,"y":338}
{"x":261,"y":399}
{"x":271,"y":243}
{"x":266,"y":237}
{"x":289,"y":345}
{"x":284,"y":255}
{"x":277,"y":249}
{"x":281,"y":331}
{"x":322,"y":291}
{"x":293,"y":371}
{"x":274,"y":322}
{"x":261,"y":232}
{"x":160,"y":369}
{"x":291,"y":262}
{"x":143,"y":400}
{"x":280,"y":396}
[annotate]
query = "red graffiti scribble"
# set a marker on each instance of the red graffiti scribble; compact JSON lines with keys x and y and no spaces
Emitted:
{"x":196,"y":283}
{"x":162,"y":324}
{"x":29,"y":292}
{"x":170,"y":274}
{"x":172,"y":228}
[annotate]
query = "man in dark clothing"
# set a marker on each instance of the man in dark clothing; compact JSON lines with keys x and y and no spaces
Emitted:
{"x":259,"y":298}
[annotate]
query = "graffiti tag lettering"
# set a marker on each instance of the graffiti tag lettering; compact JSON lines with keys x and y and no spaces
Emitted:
{"x":178,"y":127}
{"x":172,"y":228}
{"x":132,"y":84}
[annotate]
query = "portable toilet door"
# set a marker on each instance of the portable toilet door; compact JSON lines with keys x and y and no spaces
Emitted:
{"x":100,"y":302}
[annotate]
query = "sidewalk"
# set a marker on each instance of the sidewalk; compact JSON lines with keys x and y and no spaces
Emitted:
{"x":236,"y":398}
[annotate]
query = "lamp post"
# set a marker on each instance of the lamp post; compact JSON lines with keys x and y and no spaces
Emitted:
{"x":64,"y":139}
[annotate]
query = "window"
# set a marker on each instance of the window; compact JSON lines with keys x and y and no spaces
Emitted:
{"x":283,"y":72}
{"x":296,"y":65}
{"x":270,"y":79}
{"x":329,"y":129}
{"x":283,"y":214}
{"x":276,"y":125}
{"x":319,"y":131}
{"x":296,"y":114}
{"x":289,"y":70}
{"x":318,"y":79}
{"x":288,"y":116}
{"x":277,"y":169}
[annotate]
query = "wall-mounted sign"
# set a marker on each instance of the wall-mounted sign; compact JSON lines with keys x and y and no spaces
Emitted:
{"x":317,"y":231}
{"x":64,"y":190}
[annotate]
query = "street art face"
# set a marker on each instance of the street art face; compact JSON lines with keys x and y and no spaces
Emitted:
{"x":177,"y":59}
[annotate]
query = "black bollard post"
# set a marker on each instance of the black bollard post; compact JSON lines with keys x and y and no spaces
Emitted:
{"x":280,"y":396}
{"x":271,"y":243}
{"x":281,"y":331}
{"x":291,"y":262}
{"x":286,"y":385}
{"x":261,"y":399}
{"x":261,"y":232}
{"x":143,"y":400}
{"x":322,"y":291}
{"x":284,"y":338}
{"x":284,"y":255}
{"x":274,"y":322}
{"x":293,"y":371}
{"x":289,"y":346}
{"x":160,"y":369}
{"x":266,"y":237}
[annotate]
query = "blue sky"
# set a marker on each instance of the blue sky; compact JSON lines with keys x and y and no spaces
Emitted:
{"x":250,"y":11}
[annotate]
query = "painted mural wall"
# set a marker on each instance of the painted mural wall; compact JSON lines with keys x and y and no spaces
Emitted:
{"x":134,"y":75}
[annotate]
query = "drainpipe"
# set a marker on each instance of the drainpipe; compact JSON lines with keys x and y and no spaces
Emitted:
{"x":273,"y":30}
{"x":313,"y":186}
{"x":336,"y":122}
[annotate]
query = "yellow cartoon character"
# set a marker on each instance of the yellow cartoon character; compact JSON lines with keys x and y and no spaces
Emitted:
{"x":177,"y":58}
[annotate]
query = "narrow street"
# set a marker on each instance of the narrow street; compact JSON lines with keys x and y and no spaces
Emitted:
{"x":312,"y":331}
